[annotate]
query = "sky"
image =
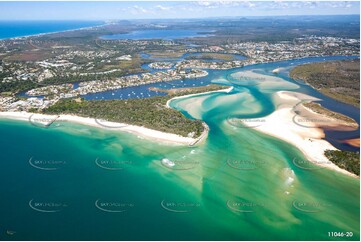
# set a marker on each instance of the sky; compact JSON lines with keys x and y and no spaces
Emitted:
{"x":84,"y":10}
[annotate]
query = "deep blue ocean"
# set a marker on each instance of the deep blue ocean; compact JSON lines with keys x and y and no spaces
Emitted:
{"x":11,"y":29}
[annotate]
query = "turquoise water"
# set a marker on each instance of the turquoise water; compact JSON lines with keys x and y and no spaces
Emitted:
{"x":11,"y":29}
{"x":333,"y":137}
{"x":80,"y":183}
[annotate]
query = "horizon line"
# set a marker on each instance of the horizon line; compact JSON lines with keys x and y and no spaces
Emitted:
{"x":180,"y":18}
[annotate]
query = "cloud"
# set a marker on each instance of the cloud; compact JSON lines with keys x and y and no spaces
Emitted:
{"x":235,"y":8}
{"x":152,"y":10}
{"x":248,"y":4}
{"x":162,"y":8}
{"x":310,"y":4}
{"x":280,"y":5}
{"x":220,"y":4}
{"x":340,"y":5}
{"x":204,"y":3}
{"x":136,"y":10}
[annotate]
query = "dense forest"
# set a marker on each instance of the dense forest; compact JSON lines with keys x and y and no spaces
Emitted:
{"x":337,"y":79}
{"x":347,"y":160}
{"x":148,"y":112}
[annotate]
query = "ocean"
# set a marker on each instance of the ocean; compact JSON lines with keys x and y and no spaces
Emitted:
{"x":73,"y":182}
{"x":12,"y":29}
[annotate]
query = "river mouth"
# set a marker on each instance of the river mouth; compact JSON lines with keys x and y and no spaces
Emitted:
{"x":336,"y":138}
{"x":238,"y":178}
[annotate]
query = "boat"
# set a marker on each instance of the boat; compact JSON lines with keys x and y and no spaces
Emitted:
{"x":276,"y":70}
{"x":168,"y":162}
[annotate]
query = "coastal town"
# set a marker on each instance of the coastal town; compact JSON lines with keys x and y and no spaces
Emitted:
{"x":180,"y":120}
{"x":103,"y":68}
{"x":66,"y":90}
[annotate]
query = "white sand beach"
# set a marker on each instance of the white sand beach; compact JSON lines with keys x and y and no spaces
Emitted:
{"x":195,"y":94}
{"x":137,"y":130}
{"x":308,"y":140}
{"x":147,"y":133}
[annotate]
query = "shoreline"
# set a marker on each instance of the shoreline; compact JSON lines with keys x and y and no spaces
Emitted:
{"x":151,"y":134}
{"x":54,"y":32}
{"x":46,"y":120}
{"x":309,"y":141}
{"x":352,"y":124}
{"x":190,"y":95}
{"x":323,"y":92}
{"x":205,"y":132}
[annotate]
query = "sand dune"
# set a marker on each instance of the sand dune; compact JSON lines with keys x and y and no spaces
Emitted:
{"x":309,"y":139}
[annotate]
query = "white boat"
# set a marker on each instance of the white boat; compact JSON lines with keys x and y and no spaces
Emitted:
{"x":168,"y":162}
{"x":276,"y":70}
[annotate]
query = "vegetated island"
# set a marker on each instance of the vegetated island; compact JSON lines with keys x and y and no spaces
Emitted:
{"x":150,"y":112}
{"x":318,"y":108}
{"x":337,"y":79}
{"x":211,"y":56}
{"x":347,"y":160}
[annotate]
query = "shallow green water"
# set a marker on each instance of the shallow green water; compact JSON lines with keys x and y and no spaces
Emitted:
{"x":75,"y":182}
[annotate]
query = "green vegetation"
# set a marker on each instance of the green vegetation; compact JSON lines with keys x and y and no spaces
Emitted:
{"x":149,"y":112}
{"x":316,"y":107}
{"x":211,"y":56}
{"x":337,"y":79}
{"x":17,"y":86}
{"x":37,"y":55}
{"x":347,"y":160}
{"x":165,"y":54}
